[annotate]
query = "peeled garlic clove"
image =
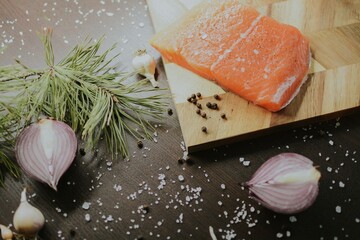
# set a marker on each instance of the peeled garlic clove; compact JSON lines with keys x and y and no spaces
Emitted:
{"x":286,"y":183}
{"x":6,"y":233}
{"x":28,"y":220}
{"x":45,"y":150}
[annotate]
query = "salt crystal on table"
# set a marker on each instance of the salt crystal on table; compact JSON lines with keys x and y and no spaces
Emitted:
{"x":181,"y":178}
{"x":109,"y":218}
{"x":292,"y":219}
{"x":341,"y":184}
{"x":246,"y":163}
{"x":279,"y":235}
{"x":87,"y":217}
{"x":86,"y":205}
{"x":338,"y":209}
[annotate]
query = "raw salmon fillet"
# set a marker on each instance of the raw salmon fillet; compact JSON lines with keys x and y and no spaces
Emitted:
{"x":249,"y":54}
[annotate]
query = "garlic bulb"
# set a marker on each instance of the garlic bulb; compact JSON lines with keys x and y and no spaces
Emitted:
{"x":286,"y":183}
{"x":45,"y":150}
{"x":6,"y":233}
{"x":145,"y":65}
{"x":28,"y":220}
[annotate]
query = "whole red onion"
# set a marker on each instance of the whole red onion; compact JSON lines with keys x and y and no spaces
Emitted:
{"x":45,"y":150}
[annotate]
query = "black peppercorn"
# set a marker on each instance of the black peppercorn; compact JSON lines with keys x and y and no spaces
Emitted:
{"x":194,"y":101}
{"x":180,"y":160}
{"x":140,"y":144}
{"x":193,"y":96}
{"x":145,"y":208}
{"x":217,"y":97}
{"x":198,"y":95}
{"x":208,"y":104}
{"x":214,"y":106}
{"x":198,"y":105}
{"x":198,"y":111}
{"x":203,"y":115}
{"x":204,"y":129}
{"x":170,"y":111}
{"x":189,"y":99}
{"x":82,"y":152}
{"x":223,"y":116}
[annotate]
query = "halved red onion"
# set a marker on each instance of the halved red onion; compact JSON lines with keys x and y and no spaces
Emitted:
{"x":45,"y":150}
{"x":286,"y":183}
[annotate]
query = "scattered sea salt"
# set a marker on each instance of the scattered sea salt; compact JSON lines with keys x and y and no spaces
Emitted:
{"x":246,"y":163}
{"x":292,"y":219}
{"x":181,"y":178}
{"x":338,"y":209}
{"x":86,"y":205}
{"x":87,"y":217}
{"x":279,"y":235}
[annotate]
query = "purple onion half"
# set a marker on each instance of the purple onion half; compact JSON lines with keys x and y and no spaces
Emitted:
{"x":45,"y":150}
{"x":287,"y":183}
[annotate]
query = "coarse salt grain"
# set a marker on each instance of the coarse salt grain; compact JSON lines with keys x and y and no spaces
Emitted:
{"x":181,"y":178}
{"x":86,"y":205}
{"x":246,"y":163}
{"x":292,"y":219}
{"x":279,"y":235}
{"x":338,"y":209}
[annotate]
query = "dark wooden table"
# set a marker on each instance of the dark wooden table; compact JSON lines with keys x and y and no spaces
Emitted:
{"x":210,"y":193}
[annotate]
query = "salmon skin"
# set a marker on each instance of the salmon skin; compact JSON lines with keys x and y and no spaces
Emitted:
{"x":251,"y":55}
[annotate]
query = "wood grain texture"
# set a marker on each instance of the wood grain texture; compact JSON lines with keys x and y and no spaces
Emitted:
{"x":333,"y":85}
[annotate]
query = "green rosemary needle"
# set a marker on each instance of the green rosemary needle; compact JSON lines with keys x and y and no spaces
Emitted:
{"x":86,"y":90}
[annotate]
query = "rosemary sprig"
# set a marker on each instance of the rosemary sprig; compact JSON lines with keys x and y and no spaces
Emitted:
{"x":86,"y":90}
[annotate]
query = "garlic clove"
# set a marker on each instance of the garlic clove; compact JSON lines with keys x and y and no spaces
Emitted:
{"x":28,"y":220}
{"x":6,"y":233}
{"x":45,"y":150}
{"x":286,"y":183}
{"x":145,"y":65}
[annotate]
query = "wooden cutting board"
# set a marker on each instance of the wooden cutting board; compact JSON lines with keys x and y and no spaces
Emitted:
{"x":332,"y":89}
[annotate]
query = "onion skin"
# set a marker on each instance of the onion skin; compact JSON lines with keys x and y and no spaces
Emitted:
{"x":287,"y":183}
{"x":45,"y":150}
